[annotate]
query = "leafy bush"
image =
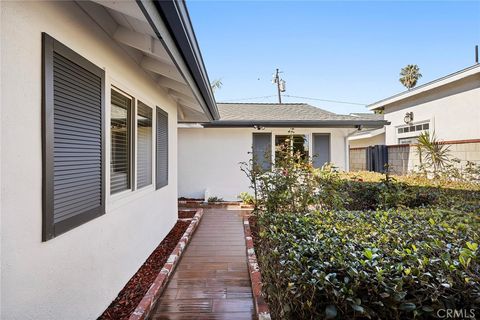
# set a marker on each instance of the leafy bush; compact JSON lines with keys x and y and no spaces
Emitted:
{"x":369,"y":191}
{"x":246,"y":198}
{"x":407,"y":248}
{"x":293,"y":184}
{"x":393,"y":264}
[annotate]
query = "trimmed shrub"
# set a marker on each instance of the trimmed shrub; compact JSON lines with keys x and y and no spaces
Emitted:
{"x":369,"y":191}
{"x":393,"y":264}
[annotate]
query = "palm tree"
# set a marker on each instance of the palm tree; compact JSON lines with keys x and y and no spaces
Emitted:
{"x":410,"y":75}
{"x":216,"y":84}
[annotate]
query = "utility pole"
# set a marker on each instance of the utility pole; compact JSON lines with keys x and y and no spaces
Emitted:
{"x":280,"y":84}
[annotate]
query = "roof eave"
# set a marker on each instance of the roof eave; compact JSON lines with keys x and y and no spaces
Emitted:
{"x":367,"y":135}
{"x":174,"y":15}
{"x":456,"y":76}
{"x":296,"y":123}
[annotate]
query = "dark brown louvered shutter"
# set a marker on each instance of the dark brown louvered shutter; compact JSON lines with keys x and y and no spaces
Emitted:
{"x":73,"y":139}
{"x":161,"y":165}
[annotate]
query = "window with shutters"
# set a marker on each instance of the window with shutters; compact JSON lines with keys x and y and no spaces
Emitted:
{"x":144,"y":145}
{"x":120,"y":132}
{"x":161,"y":149}
{"x":73,"y":139}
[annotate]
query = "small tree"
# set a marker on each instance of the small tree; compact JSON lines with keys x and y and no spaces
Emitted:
{"x":409,"y":76}
{"x":432,"y":153}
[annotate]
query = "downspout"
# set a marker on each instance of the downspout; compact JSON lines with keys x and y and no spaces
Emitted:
{"x":347,"y":148}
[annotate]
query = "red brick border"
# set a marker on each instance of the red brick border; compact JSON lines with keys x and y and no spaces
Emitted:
{"x":261,"y":306}
{"x":143,"y":309}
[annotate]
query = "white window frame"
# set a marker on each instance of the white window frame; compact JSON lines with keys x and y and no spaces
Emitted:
{"x":120,"y":199}
{"x":133,"y":118}
{"x":148,"y":104}
{"x":409,"y":133}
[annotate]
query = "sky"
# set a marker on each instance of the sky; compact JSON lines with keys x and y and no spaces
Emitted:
{"x":344,"y":50}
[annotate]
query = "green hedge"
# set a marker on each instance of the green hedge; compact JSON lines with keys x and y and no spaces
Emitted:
{"x":366,"y":193}
{"x":392,"y":264}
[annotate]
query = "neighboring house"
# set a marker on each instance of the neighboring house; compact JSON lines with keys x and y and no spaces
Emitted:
{"x":211,"y":167}
{"x":448,"y":106}
{"x":91,"y":95}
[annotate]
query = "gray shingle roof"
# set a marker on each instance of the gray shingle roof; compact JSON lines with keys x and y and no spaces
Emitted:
{"x":278,"y":112}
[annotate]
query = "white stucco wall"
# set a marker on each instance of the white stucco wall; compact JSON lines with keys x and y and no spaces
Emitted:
{"x":371,"y":141}
{"x":210,"y":157}
{"x":453,"y":111}
{"x":77,"y":274}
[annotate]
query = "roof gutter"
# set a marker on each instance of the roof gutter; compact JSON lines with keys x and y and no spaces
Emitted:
{"x":171,"y":22}
{"x":297,"y":123}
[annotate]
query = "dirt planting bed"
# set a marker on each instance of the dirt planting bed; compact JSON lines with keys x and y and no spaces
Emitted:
{"x":186,"y":214}
{"x":133,"y":292}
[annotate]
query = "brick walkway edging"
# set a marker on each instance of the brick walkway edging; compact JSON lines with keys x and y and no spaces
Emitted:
{"x":261,"y":306}
{"x":143,"y":309}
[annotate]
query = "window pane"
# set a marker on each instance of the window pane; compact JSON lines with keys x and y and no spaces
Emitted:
{"x":161,"y":148}
{"x":120,"y":133}
{"x":144,"y":145}
{"x":426,"y":126}
{"x":400,"y":130}
{"x":299,"y":144}
{"x":418,"y":127}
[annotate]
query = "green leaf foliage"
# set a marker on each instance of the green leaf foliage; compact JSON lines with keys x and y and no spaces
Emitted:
{"x":332,"y":245}
{"x":386,"y":264}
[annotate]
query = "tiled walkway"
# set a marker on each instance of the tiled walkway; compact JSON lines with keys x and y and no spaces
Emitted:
{"x":211,"y":280}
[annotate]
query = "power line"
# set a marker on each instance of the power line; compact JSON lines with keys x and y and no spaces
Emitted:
{"x":250,"y":98}
{"x":325,"y":100}
{"x":298,"y":97}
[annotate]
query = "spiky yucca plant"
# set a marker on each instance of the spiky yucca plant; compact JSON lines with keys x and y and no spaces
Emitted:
{"x":432,"y":153}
